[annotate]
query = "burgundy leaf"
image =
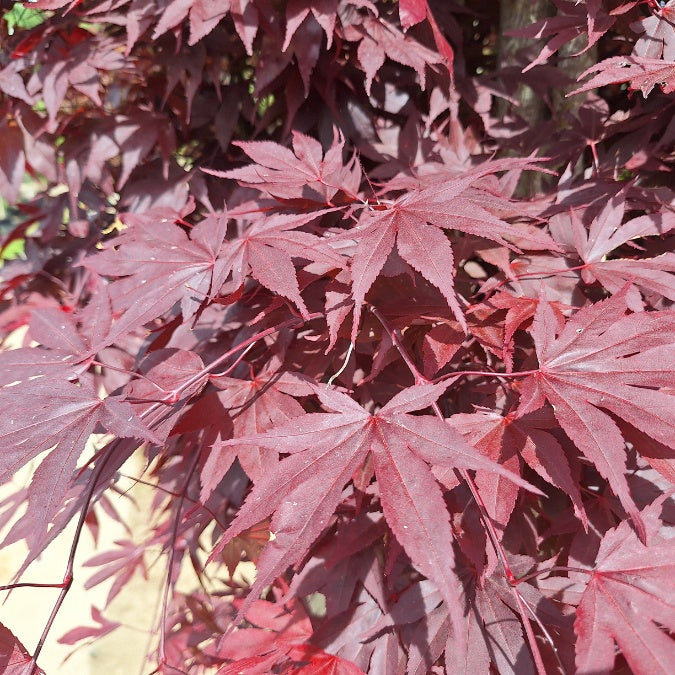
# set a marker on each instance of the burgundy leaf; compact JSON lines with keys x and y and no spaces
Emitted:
{"x":161,"y":266}
{"x":195,"y":322}
{"x":652,"y":276}
{"x":642,"y":73}
{"x":629,"y":599}
{"x":12,"y":161}
{"x":658,"y":37}
{"x":267,"y":250}
{"x":60,"y":417}
{"x":327,"y":448}
{"x":384,"y":40}
{"x":324,"y":11}
{"x":105,"y":626}
{"x":255,"y":405}
{"x":304,"y":173}
{"x":415,"y":222}
{"x":605,"y":361}
{"x":14,"y":659}
{"x":412,"y":12}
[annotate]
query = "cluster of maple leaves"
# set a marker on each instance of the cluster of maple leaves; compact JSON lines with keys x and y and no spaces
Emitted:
{"x":282,"y":247}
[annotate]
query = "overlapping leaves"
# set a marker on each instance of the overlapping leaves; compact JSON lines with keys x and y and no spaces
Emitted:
{"x":399,"y":210}
{"x":326,"y":449}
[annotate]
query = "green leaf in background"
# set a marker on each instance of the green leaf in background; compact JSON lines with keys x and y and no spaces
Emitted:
{"x":22,"y":17}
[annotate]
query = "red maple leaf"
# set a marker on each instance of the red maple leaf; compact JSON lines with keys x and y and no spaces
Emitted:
{"x":68,"y":342}
{"x":255,"y":405}
{"x":506,"y":439}
{"x":304,"y":175}
{"x":658,"y":34}
{"x":382,"y":40}
{"x":162,"y":266}
{"x":411,"y":12}
{"x":42,"y":414}
{"x":104,"y":627}
{"x":12,"y":161}
{"x":279,"y":636}
{"x":325,"y":449}
{"x":605,"y":361}
{"x":121,"y":564}
{"x":415,"y":223}
{"x":324,"y":11}
{"x":642,"y":73}
{"x":205,"y":16}
{"x":317,"y":662}
{"x":572,"y":19}
{"x":14,"y":658}
{"x":629,"y":600}
{"x":519,"y":310}
{"x":652,"y":276}
{"x":266,"y":251}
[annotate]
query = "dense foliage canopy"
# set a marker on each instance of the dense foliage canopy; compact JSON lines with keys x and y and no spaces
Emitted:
{"x":383,"y":292}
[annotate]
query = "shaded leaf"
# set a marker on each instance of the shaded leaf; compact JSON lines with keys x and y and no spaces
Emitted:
{"x":14,"y":659}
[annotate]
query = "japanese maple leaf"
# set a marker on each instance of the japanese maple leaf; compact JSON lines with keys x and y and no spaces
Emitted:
{"x":80,"y":70}
{"x":304,"y":48}
{"x":606,"y":362}
{"x":641,"y":72}
{"x":121,"y":564}
{"x":68,"y":342}
{"x":12,"y":162}
{"x":347,"y":559}
{"x":381,"y":40}
{"x":205,"y":16}
{"x":162,"y":266}
{"x":255,"y":405}
{"x":135,"y":136}
{"x":324,"y":11}
{"x":630,"y":599}
{"x":30,"y":362}
{"x":417,"y":612}
{"x":503,"y":633}
{"x":14,"y":658}
{"x":491,"y":630}
{"x":653,"y":276}
{"x":519,"y":310}
{"x":411,"y":12}
{"x":325,"y":449}
{"x":249,"y":543}
{"x":171,"y":377}
{"x":345,"y":633}
{"x":502,"y":625}
{"x":572,"y":19}
{"x":440,"y":344}
{"x":279,"y":633}
{"x":414,"y":222}
{"x":59,"y":416}
{"x":317,"y":662}
{"x":658,"y":39}
{"x":104,"y":627}
{"x":267,"y":247}
{"x":505,"y":439}
{"x":304,"y":174}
